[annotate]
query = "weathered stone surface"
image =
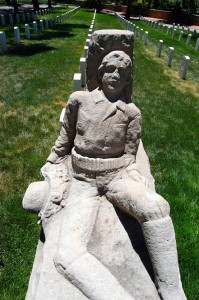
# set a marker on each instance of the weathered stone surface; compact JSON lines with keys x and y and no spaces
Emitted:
{"x":99,"y":199}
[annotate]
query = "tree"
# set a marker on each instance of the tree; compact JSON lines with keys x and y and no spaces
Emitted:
{"x":35,"y":5}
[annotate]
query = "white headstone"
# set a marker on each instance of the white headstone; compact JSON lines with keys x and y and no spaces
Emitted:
{"x":28,"y":17}
{"x":17,"y":18}
{"x":141,"y":33}
{"x":51,"y":22}
{"x":85,"y":51}
{"x":137,"y":31}
{"x":11,"y":19}
{"x":35,"y":27}
{"x":170,"y":56}
{"x":3,"y":41}
{"x":77,"y":82}
{"x":146,"y":37}
{"x":159,"y":49}
{"x":23,"y":18}
{"x":17,"y":35}
{"x":32,"y":15}
{"x":87,"y":42}
{"x":41,"y":25}
{"x":173,"y":33}
{"x":188,"y":39}
{"x":46,"y":23}
{"x":197,"y":44}
{"x":184,"y":67}
{"x":3,"y":20}
{"x":180,"y":36}
{"x":27,"y":31}
{"x":83,"y":70}
{"x":168,"y":29}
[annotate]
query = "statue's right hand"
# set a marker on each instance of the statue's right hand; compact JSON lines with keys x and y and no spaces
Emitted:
{"x":45,"y":169}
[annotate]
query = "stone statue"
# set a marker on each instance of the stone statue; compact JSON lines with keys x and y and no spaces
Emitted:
{"x":91,"y":169}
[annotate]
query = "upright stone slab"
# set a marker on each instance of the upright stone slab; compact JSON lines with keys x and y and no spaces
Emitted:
{"x":85,"y":51}
{"x":77,"y":82}
{"x":11,"y":19}
{"x":184,"y":66}
{"x":41,"y":25}
{"x":83,"y":70}
{"x":27,"y":31}
{"x":35,"y":29}
{"x":180,"y":36}
{"x":170,"y":56}
{"x":146,"y":37}
{"x":197,"y":44}
{"x":17,"y":19}
{"x":159,"y":48}
{"x":3,"y":21}
{"x":17,"y":35}
{"x":46,"y":23}
{"x":173,"y":34}
{"x":3,"y":41}
{"x":188,"y":39}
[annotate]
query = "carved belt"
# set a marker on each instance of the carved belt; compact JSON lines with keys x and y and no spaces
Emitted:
{"x":86,"y":164}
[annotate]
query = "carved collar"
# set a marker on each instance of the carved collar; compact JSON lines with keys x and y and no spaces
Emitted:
{"x":98,"y":96}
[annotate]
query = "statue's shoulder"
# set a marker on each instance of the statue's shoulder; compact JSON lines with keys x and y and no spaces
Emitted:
{"x":78,"y":97}
{"x":132,"y":110}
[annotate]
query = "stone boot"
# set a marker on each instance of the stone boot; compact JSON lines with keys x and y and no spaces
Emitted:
{"x":160,"y":239}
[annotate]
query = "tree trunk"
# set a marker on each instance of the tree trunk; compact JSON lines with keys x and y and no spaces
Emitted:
{"x":128,"y":12}
{"x":15,"y":5}
{"x":35,"y":5}
{"x":49,"y":4}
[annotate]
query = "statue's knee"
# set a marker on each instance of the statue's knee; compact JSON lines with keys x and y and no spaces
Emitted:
{"x":156,"y":208}
{"x":60,"y":263}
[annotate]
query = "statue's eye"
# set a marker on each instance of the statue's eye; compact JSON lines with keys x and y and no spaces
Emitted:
{"x":110,"y":69}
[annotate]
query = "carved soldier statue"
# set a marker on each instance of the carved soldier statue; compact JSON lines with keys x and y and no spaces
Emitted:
{"x":94,"y":161}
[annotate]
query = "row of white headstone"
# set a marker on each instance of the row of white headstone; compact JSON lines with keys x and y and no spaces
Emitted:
{"x":173,"y":30}
{"x":79,"y":79}
{"x":170,"y":55}
{"x":139,"y":33}
{"x":22,"y":18}
{"x":44,"y":23}
{"x":132,"y":27}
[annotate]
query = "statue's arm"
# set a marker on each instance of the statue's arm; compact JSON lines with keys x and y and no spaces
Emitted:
{"x":65,"y":141}
{"x":133,"y":133}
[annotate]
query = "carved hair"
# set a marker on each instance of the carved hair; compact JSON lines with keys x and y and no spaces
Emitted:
{"x":121,"y":56}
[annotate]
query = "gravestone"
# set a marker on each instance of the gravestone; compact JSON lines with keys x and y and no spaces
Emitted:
{"x":3,"y":41}
{"x":27,"y":31}
{"x":159,"y":49}
{"x":35,"y":29}
{"x":17,"y":35}
{"x":184,"y":66}
{"x":188,"y":39}
{"x":95,"y":204}
{"x":170,"y":56}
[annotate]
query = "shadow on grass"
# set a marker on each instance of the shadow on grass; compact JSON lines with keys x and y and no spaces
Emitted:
{"x":52,"y":35}
{"x":28,"y":50}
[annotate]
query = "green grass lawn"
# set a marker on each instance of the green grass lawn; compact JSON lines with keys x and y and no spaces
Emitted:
{"x":36,"y":81}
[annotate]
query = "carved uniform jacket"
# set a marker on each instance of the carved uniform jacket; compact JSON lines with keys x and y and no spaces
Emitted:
{"x":97,"y":127}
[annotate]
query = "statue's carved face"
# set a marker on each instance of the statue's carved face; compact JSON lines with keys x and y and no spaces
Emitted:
{"x":115,"y":72}
{"x":115,"y":77}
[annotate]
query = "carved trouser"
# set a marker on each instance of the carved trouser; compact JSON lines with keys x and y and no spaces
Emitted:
{"x":79,"y":217}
